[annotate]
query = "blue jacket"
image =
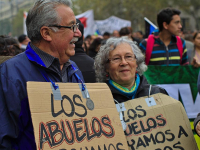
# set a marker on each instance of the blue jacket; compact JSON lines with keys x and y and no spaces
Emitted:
{"x":16,"y":130}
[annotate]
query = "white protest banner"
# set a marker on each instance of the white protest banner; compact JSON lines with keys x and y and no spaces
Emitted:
{"x":185,"y":93}
{"x":68,"y":124}
{"x":87,"y":19}
{"x":111,"y":24}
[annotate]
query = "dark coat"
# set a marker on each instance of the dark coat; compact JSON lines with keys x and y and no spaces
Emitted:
{"x":85,"y":64}
{"x":16,"y":130}
{"x":83,"y":61}
{"x":92,"y":54}
{"x":143,"y":90}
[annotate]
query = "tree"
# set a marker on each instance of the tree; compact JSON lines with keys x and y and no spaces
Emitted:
{"x":136,"y":10}
{"x":133,"y":10}
{"x":18,"y":23}
{"x":191,"y":7}
{"x":5,"y":28}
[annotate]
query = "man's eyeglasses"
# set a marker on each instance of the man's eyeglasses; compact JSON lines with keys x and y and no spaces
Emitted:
{"x":73,"y":27}
{"x":118,"y":59}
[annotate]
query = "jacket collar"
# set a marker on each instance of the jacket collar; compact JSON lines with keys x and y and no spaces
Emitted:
{"x":32,"y":56}
{"x":79,"y":50}
{"x":157,"y":38}
{"x":122,"y":98}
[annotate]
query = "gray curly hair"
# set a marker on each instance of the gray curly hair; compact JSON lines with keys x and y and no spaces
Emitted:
{"x":43,"y":13}
{"x":101,"y":59}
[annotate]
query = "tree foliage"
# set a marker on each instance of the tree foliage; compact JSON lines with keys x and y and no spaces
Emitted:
{"x":134,"y":10}
{"x":17,"y":24}
{"x":5,"y":27}
{"x":191,"y":7}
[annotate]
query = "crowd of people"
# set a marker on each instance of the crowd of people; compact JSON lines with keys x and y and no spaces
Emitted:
{"x":55,"y":50}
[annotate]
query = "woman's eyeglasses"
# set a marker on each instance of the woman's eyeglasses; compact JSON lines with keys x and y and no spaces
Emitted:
{"x":118,"y":59}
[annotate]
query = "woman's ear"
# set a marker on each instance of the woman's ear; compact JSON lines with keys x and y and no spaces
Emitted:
{"x":46,"y":33}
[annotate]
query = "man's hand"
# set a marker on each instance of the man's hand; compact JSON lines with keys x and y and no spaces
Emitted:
{"x":198,"y":128}
{"x":195,"y":63}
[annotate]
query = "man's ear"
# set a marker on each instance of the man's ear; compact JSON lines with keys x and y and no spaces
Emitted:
{"x":165,"y":25}
{"x":46,"y":33}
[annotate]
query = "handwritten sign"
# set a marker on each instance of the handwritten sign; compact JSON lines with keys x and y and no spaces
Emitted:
{"x":162,"y":126}
{"x":68,"y":124}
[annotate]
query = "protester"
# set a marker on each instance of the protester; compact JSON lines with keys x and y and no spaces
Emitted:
{"x":120,"y":64}
{"x":106,"y":35}
{"x":52,"y":29}
{"x":9,"y":47}
{"x":194,"y":56}
{"x":94,"y":47}
{"x":23,"y":40}
{"x":136,"y":40}
{"x":85,"y":48}
{"x":125,"y":33}
{"x":165,"y":47}
{"x":88,"y":38}
{"x":115,"y":33}
{"x":134,"y":34}
{"x":188,"y":42}
{"x":83,"y":61}
{"x":140,"y":35}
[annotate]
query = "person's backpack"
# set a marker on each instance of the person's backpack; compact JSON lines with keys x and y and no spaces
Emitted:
{"x":150,"y":43}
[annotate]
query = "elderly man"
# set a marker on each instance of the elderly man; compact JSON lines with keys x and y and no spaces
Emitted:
{"x":52,"y":29}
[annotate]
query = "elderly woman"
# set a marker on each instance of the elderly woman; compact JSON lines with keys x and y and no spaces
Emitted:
{"x":120,"y":64}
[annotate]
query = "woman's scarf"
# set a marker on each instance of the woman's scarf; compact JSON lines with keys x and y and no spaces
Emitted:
{"x":130,"y":93}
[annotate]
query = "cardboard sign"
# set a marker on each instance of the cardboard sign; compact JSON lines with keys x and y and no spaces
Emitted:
{"x":68,"y":124}
{"x":157,"y":123}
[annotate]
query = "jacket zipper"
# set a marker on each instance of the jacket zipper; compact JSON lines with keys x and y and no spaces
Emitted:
{"x":167,"y":55}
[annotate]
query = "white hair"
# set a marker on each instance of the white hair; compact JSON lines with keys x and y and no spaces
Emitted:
{"x":101,"y":58}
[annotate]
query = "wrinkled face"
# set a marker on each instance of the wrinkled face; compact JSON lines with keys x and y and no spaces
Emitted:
{"x":197,"y":40}
{"x":63,"y":40}
{"x":174,"y":27}
{"x":122,"y":73}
